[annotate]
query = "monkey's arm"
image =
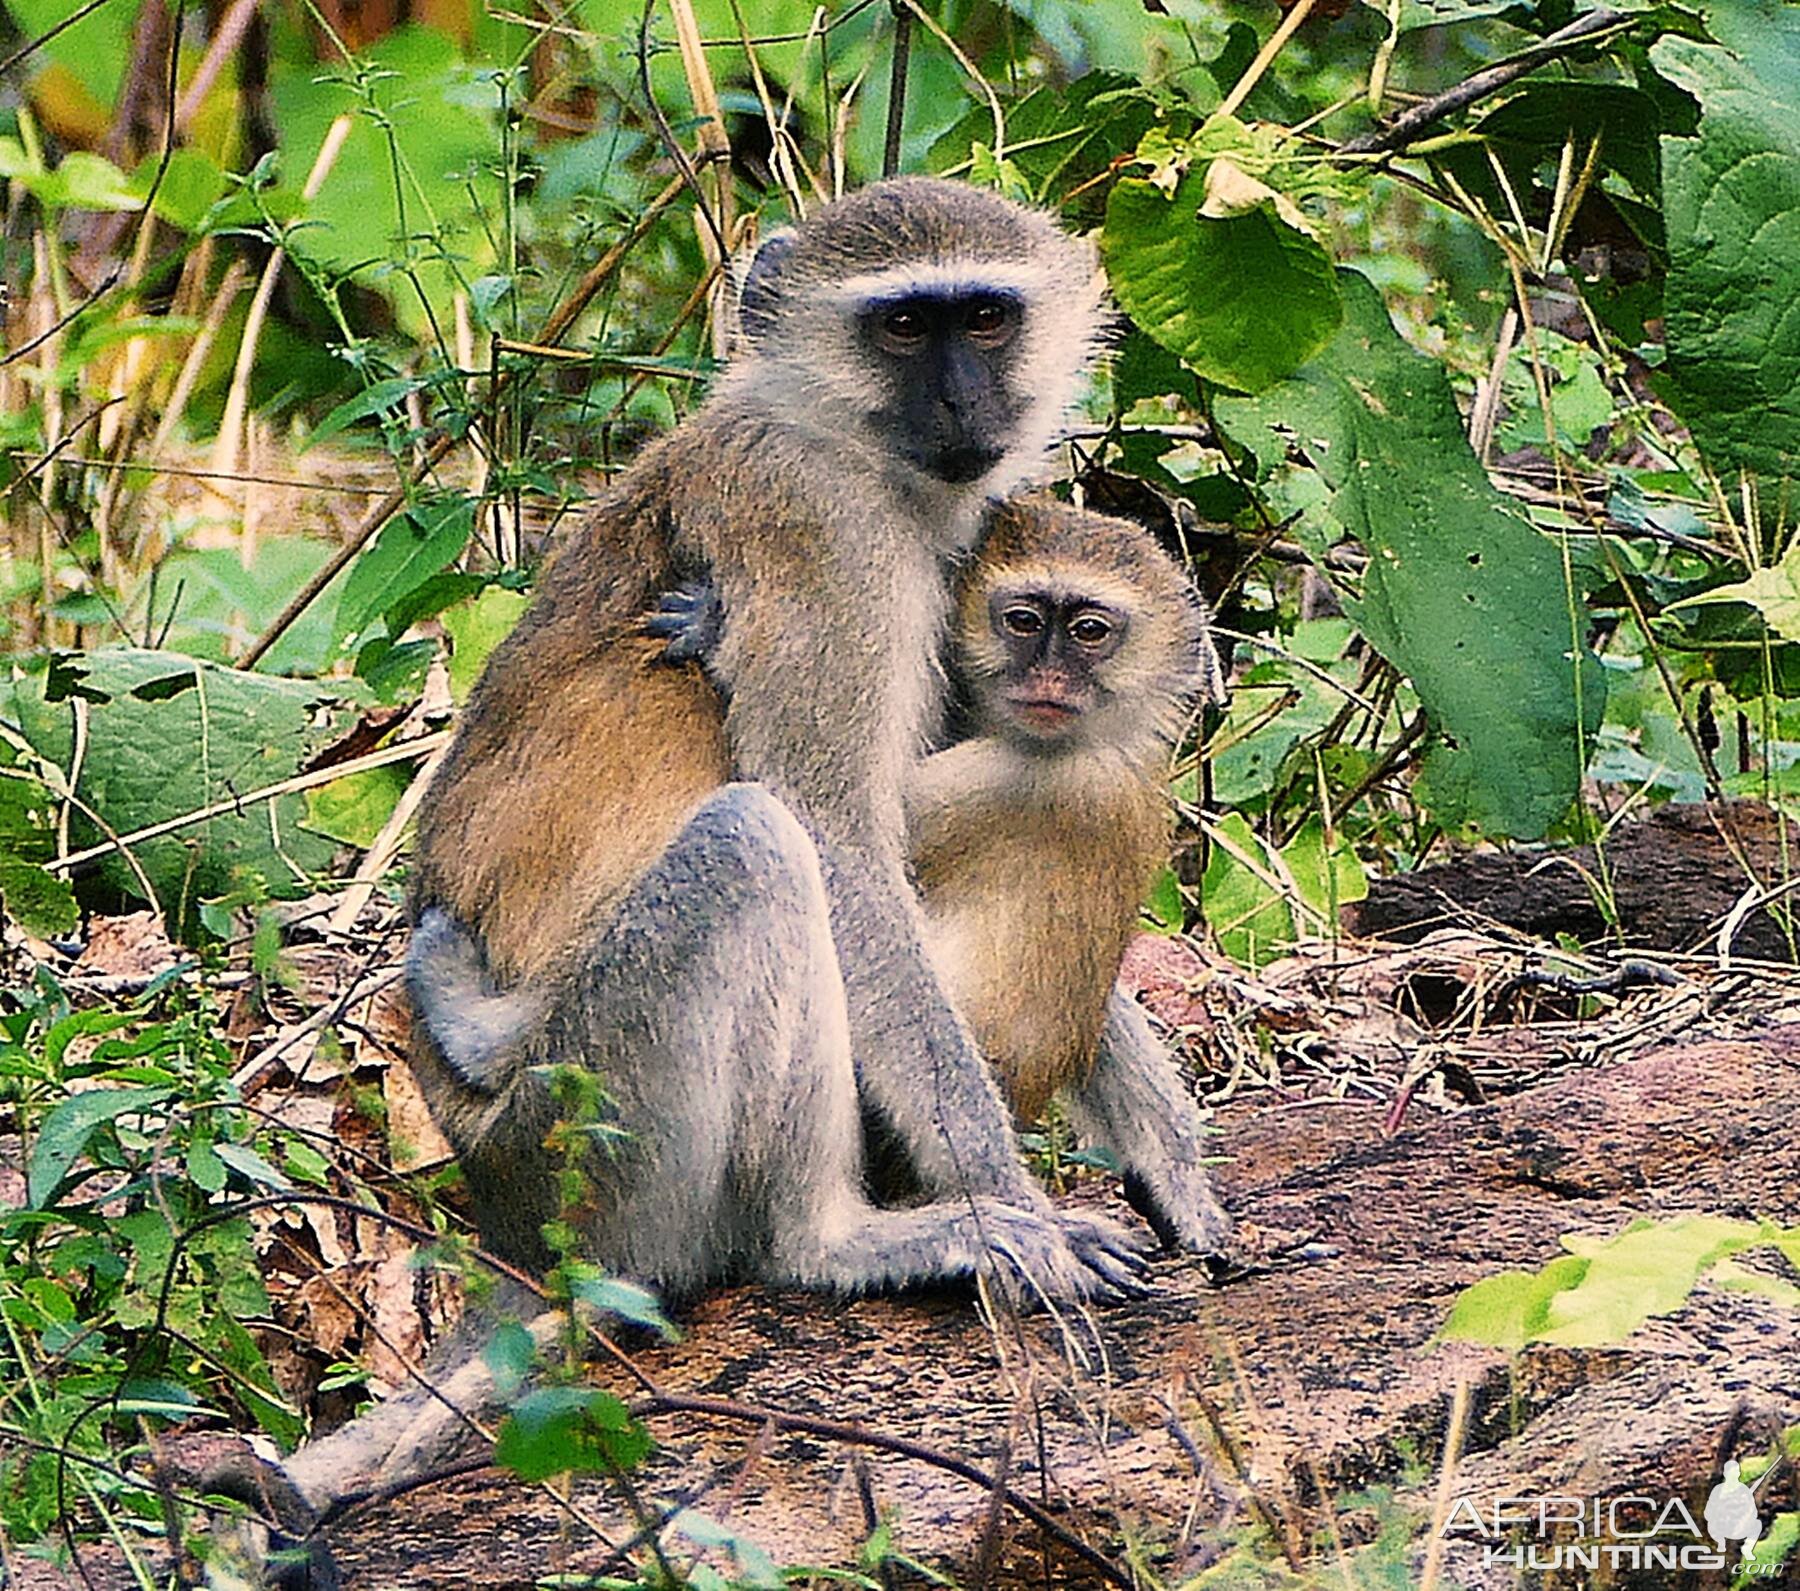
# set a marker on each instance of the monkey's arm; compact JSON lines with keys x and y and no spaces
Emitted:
{"x":1135,"y":1103}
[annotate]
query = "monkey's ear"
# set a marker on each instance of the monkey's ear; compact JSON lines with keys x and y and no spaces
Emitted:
{"x":758,"y":290}
{"x":1213,"y":689}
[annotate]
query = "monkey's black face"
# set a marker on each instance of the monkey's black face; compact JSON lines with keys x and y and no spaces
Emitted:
{"x":1056,"y":649}
{"x":948,"y":359}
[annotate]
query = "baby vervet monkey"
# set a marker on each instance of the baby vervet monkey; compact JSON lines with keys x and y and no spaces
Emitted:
{"x":1080,"y":648}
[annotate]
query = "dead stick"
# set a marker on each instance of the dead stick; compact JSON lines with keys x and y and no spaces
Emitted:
{"x":896,"y":115}
{"x":394,"y":501}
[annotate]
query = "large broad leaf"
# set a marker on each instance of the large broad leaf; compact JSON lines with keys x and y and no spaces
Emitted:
{"x":1461,"y":595}
{"x":1245,"y":298}
{"x":167,"y":735}
{"x":1732,"y":196}
{"x":39,"y":900}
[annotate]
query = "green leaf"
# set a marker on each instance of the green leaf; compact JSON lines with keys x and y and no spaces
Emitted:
{"x":65,"y":1132}
{"x":1508,"y":1310}
{"x":1737,"y":1278}
{"x":510,"y":1353}
{"x":189,"y":188}
{"x":1775,"y":1549}
{"x":1774,"y":592}
{"x":1246,"y":912}
{"x":90,"y":182}
{"x":1649,"y":1269}
{"x":1326,"y":877}
{"x":626,"y":1301}
{"x":1249,"y":892}
{"x":1579,"y":400}
{"x":412,"y":549}
{"x":1163,"y":906}
{"x":1245,"y":299}
{"x":1056,"y":137}
{"x":1732,"y":197}
{"x":475,"y":629}
{"x":204,"y":1166}
{"x":353,"y":809}
{"x":251,"y":1166}
{"x":1462,"y":594}
{"x":755,"y":1567}
{"x":443,"y":118}
{"x":1605,"y":1288}
{"x":570,"y":1430}
{"x":378,"y":398}
{"x":170,"y":736}
{"x":36,"y":899}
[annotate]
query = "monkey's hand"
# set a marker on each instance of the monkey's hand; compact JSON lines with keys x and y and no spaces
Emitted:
{"x":691,"y":620}
{"x":1079,"y":1257}
{"x":1181,"y":1209}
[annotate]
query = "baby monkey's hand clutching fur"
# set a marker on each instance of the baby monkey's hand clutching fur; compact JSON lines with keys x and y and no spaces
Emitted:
{"x":691,"y":621}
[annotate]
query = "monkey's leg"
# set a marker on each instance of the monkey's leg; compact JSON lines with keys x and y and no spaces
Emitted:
{"x":714,"y":1012}
{"x":1135,"y":1103}
{"x":917,"y":1062}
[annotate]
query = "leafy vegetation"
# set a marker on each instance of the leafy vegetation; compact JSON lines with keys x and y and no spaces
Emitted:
{"x":1480,"y":427}
{"x":1602,"y":1291}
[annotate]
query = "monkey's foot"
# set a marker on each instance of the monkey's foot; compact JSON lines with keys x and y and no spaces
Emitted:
{"x":1182,"y":1210}
{"x":272,"y":1547}
{"x":1109,"y":1250}
{"x":1056,"y":1256}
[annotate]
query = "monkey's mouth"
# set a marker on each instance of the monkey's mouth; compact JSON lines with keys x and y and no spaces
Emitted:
{"x":961,"y":465}
{"x":1047,"y":714}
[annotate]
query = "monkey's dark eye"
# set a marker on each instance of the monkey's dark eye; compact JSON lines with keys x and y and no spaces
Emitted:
{"x":1090,"y":629}
{"x":1022,"y":621}
{"x":903,"y":329}
{"x":989,"y":319}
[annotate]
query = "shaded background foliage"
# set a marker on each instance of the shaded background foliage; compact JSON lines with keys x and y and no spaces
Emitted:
{"x":1318,"y":323}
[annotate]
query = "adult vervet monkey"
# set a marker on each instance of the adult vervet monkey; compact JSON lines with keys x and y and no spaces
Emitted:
{"x":717,"y":896}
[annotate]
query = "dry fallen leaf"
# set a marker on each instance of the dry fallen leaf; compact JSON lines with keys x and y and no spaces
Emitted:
{"x":132,"y":947}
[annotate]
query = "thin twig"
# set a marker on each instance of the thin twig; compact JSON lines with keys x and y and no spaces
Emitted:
{"x":1253,"y":73}
{"x":395,"y":499}
{"x":405,"y":751}
{"x":1406,"y":127}
{"x":860,"y":1436}
{"x":896,"y":113}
